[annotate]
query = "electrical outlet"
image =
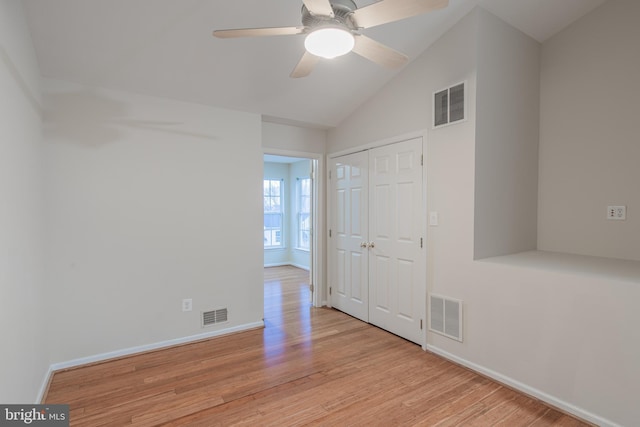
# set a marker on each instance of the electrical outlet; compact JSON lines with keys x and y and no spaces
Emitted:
{"x":618,"y":213}
{"x":187,"y":304}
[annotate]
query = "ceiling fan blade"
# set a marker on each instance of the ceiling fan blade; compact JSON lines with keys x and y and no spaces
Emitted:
{"x":319,"y":7}
{"x":305,"y":66}
{"x":258,"y":32}
{"x":387,"y":11}
{"x":378,"y":53}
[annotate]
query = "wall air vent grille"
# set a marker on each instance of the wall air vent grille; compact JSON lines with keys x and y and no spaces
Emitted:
{"x":449,"y":105}
{"x":445,"y":317}
{"x":214,"y":316}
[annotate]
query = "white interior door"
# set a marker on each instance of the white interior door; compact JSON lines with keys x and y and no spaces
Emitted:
{"x":349,"y":289}
{"x":397,"y":282}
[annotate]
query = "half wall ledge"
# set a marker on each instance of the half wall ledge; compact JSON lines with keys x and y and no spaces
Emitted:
{"x":591,"y":266}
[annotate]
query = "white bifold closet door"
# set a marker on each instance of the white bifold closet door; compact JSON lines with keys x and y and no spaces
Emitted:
{"x":349,"y":235}
{"x":377,"y":219}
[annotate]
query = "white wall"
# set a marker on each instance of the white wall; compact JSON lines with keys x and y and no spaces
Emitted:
{"x":589,"y":146}
{"x":566,"y":336}
{"x":150,"y":201}
{"x":24,"y":327}
{"x":276,"y":136}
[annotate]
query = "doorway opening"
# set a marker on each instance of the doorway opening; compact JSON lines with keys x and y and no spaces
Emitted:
{"x":291,"y":188}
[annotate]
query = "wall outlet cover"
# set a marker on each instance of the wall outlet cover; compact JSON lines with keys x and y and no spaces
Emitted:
{"x":617,"y":213}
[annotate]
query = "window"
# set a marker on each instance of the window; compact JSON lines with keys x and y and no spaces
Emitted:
{"x":304,"y":213}
{"x":273,"y":211}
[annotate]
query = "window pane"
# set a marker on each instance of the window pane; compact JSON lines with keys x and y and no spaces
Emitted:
{"x":305,"y":187}
{"x":304,"y":201}
{"x":275,"y":188}
{"x":272,"y":221}
{"x":304,"y":209}
{"x":272,"y":205}
{"x":304,"y":221}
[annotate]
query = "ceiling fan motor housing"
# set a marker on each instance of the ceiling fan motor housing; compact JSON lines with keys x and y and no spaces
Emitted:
{"x":342,"y":9}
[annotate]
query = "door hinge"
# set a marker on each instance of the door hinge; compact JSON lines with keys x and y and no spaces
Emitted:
{"x":311,"y":287}
{"x":329,"y":232}
{"x":329,"y":290}
{"x":329,"y":174}
{"x":421,"y":242}
{"x":420,"y":324}
{"x":421,"y":159}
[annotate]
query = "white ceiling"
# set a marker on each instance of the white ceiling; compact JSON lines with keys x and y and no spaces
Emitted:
{"x":165,"y":48}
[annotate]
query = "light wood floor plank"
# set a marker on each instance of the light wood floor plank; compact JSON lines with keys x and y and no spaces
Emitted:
{"x":308,"y":366}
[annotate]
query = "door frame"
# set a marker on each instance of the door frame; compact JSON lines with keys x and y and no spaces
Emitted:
{"x":424,"y":228}
{"x":317,"y":256}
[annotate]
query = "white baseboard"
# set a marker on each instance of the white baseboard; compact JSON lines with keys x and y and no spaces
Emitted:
{"x":538,"y":394}
{"x":45,"y":386}
{"x":140,"y":349}
{"x":277,"y":264}
{"x":282,"y":264}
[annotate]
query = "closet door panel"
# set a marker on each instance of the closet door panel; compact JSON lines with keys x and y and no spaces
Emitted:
{"x":397,"y":260}
{"x":349,"y":218}
{"x":378,"y":263}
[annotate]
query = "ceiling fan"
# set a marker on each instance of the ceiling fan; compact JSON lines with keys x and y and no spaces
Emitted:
{"x":332,"y":29}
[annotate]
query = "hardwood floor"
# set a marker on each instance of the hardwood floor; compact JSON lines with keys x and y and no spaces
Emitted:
{"x":308,"y":366}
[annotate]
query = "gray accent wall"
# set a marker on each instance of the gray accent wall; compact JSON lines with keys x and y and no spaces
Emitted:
{"x":589,"y":140}
{"x":506,"y":151}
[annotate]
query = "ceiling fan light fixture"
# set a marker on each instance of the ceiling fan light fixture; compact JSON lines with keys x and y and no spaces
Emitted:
{"x":329,"y":42}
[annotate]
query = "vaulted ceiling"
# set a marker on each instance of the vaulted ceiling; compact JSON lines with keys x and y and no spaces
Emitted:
{"x":165,"y":48}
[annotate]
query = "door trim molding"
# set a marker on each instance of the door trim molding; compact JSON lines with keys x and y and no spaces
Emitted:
{"x":380,"y":143}
{"x":318,"y":261}
{"x":422,"y":133}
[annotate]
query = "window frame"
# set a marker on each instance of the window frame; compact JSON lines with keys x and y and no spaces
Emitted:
{"x":299,"y":208}
{"x":273,"y":231}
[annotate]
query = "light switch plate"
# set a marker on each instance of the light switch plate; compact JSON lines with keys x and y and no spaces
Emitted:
{"x":433,"y":218}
